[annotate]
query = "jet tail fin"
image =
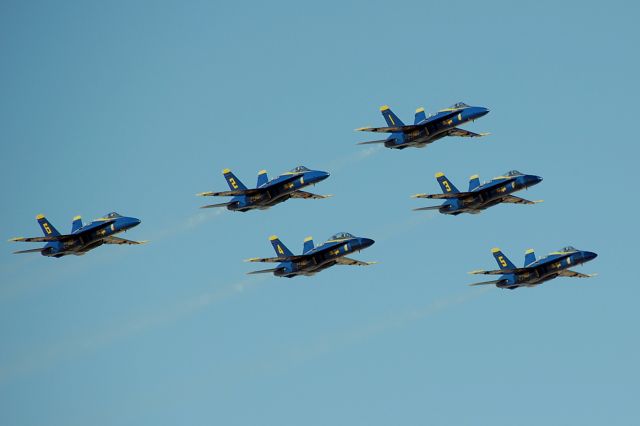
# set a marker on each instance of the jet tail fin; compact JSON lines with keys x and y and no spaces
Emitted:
{"x":445,"y":184}
{"x":308,"y":245}
{"x":281,"y":249}
{"x":503,"y":261}
{"x":262,"y":178}
{"x":420,"y":116}
{"x":474,"y":182}
{"x":391,"y":119}
{"x":47,"y":228}
{"x":232,"y":180}
{"x":529,"y":257}
{"x":76,"y":224}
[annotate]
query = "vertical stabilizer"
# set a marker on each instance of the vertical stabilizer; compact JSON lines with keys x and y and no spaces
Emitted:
{"x":281,"y":249}
{"x":46,"y":226}
{"x":503,"y":261}
{"x":391,"y":119}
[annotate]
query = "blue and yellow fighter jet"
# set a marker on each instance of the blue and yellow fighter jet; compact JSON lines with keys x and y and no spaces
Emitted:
{"x":480,"y":196}
{"x":82,"y":237}
{"x":536,"y":272}
{"x":426,"y":130}
{"x":314,"y":259}
{"x":267,"y":192}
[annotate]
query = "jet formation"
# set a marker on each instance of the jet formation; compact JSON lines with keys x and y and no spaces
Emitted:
{"x":82,"y":238}
{"x":480,"y":196}
{"x":267,"y":193}
{"x":535,"y":272}
{"x":335,"y":251}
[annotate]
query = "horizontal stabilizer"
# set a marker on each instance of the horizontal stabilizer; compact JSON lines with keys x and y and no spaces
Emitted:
{"x":304,"y":194}
{"x":489,"y":282}
{"x":374,"y":142}
{"x":517,"y":200}
{"x":210,"y":206}
{"x":499,"y":271}
{"x":264,"y":271}
{"x":574,"y":274}
{"x":227,"y":193}
{"x":446,"y":196}
{"x":392,"y":129}
{"x":352,"y":262}
{"x":38,"y":250}
{"x":273,"y":259}
{"x":465,"y":133}
{"x":427,"y":208}
{"x":117,"y":240}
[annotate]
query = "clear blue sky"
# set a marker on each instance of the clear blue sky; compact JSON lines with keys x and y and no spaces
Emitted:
{"x":136,"y":106}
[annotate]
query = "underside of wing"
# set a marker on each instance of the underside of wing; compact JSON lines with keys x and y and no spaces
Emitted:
{"x":304,"y":194}
{"x":394,"y":129}
{"x":118,"y":240}
{"x":574,"y":274}
{"x":517,"y":200}
{"x":464,"y":133}
{"x":352,"y":262}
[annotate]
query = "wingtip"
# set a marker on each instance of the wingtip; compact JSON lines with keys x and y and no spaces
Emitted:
{"x":361,"y":129}
{"x":417,"y":196}
{"x":15,"y":239}
{"x":475,"y":272}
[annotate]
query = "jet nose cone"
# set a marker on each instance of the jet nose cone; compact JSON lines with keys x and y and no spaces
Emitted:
{"x":133,"y":222}
{"x":482,"y":111}
{"x":323,"y":175}
{"x":366,"y":242}
{"x":589,"y":255}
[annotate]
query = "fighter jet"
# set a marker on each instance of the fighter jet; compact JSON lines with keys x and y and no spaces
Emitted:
{"x":267,"y":192}
{"x":480,"y":196}
{"x":82,"y":237}
{"x":314,"y":259}
{"x":426,"y":130}
{"x":536,"y":272}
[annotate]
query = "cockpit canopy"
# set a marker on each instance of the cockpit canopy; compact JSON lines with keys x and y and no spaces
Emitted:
{"x":341,"y":236}
{"x":459,"y":105}
{"x":513,"y":173}
{"x":113,"y":215}
{"x":300,"y":169}
{"x":568,"y":248}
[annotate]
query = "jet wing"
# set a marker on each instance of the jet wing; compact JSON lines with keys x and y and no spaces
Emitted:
{"x":394,"y":129}
{"x":303,"y":194}
{"x":574,"y":274}
{"x":518,"y":200}
{"x":464,"y":133}
{"x":117,"y":240}
{"x":352,"y":262}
